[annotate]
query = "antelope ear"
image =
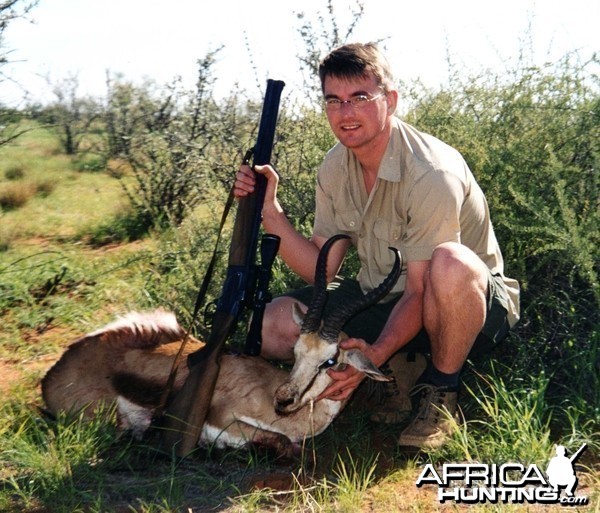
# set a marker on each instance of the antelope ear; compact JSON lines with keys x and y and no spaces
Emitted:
{"x":297,"y":314}
{"x":360,"y":362}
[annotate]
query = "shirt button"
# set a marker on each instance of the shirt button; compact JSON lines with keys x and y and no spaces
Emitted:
{"x":352,"y":223}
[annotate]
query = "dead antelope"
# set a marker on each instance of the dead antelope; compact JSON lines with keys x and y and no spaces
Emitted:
{"x":127,"y":364}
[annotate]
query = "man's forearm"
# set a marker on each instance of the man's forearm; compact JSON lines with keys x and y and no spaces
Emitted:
{"x":403,"y":324}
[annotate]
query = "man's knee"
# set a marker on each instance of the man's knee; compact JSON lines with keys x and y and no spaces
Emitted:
{"x":280,"y":331}
{"x":455,"y":267}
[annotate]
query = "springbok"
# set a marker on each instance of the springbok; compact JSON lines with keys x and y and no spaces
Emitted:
{"x":127,"y":364}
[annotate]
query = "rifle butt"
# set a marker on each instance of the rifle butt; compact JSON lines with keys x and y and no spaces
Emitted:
{"x":189,"y":409}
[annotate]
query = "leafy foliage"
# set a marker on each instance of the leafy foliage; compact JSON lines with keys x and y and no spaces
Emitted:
{"x":72,"y":115}
{"x":175,"y":143}
{"x":532,"y":138}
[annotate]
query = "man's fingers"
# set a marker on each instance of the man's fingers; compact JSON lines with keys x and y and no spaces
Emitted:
{"x":343,"y":385}
{"x":244,"y":181}
{"x":335,"y":392}
{"x":343,"y":394}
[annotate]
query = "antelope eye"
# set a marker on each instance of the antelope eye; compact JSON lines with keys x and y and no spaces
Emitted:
{"x":329,"y":363}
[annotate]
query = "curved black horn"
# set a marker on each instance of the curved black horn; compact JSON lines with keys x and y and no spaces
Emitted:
{"x":312,"y":319}
{"x":333,"y":325}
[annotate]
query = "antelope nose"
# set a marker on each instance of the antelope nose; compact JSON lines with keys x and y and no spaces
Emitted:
{"x":282,"y":404}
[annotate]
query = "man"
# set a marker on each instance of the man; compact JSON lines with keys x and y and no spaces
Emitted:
{"x":387,"y":184}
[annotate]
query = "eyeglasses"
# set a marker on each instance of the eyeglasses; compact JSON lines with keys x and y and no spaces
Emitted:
{"x":357,"y":102}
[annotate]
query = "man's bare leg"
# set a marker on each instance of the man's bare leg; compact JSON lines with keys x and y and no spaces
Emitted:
{"x":280,"y":331}
{"x":454,"y":312}
{"x":454,"y":307}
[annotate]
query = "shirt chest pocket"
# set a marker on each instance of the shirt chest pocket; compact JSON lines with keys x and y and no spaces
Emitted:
{"x":388,"y":232}
{"x":347,"y":221}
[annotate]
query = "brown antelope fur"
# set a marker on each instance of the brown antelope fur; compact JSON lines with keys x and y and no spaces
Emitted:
{"x":127,"y":363}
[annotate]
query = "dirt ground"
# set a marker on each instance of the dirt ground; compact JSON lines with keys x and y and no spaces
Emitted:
{"x":13,"y":371}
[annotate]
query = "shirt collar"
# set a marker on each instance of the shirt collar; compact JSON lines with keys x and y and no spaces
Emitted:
{"x":390,"y":168}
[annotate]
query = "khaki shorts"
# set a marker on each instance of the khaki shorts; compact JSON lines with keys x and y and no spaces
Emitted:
{"x":369,"y":323}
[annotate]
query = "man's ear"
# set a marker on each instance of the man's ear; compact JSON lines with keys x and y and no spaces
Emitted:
{"x":360,"y":362}
{"x":392,"y":101}
{"x":297,"y":314}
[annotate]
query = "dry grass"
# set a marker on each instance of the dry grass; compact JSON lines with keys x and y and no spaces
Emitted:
{"x":15,"y":195}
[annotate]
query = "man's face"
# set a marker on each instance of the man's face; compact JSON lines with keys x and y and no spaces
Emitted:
{"x":359,"y":127}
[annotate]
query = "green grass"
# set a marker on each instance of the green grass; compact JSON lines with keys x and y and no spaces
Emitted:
{"x":516,"y":418}
{"x":50,"y":291}
{"x":59,"y":279}
{"x":49,"y":458}
{"x":50,"y":279}
{"x":59,"y":213}
{"x":70,"y":199}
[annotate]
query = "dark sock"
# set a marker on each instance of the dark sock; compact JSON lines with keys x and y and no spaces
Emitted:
{"x":440,"y":379}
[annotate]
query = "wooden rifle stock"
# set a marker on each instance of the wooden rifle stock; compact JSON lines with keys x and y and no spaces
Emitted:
{"x":187,"y":412}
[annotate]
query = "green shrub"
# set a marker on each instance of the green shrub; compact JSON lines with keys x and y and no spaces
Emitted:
{"x":14,"y":172}
{"x":44,"y":188}
{"x":181,"y":262}
{"x":127,"y":225}
{"x":532,"y":139}
{"x":172,"y":147}
{"x":90,"y":163}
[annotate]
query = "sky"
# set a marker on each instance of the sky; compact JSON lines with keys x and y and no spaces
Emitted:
{"x":160,"y":40}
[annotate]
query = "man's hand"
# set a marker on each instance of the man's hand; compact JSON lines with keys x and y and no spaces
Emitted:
{"x":346,"y":381}
{"x":245,"y":182}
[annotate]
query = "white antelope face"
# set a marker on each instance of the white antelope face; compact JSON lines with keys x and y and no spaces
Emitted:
{"x":317,"y":348}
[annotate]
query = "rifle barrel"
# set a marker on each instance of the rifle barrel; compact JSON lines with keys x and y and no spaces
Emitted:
{"x":188,"y":410}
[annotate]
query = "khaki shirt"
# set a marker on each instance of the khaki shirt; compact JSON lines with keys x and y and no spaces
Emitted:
{"x":424,"y":195}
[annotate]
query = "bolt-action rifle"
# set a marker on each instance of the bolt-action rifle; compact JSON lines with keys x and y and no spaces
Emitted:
{"x":245,"y":286}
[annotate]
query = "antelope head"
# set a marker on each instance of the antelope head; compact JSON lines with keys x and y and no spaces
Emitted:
{"x":317,"y":348}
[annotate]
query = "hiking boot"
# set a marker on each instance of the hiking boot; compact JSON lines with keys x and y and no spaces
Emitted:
{"x":436,"y":418}
{"x":390,"y":401}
